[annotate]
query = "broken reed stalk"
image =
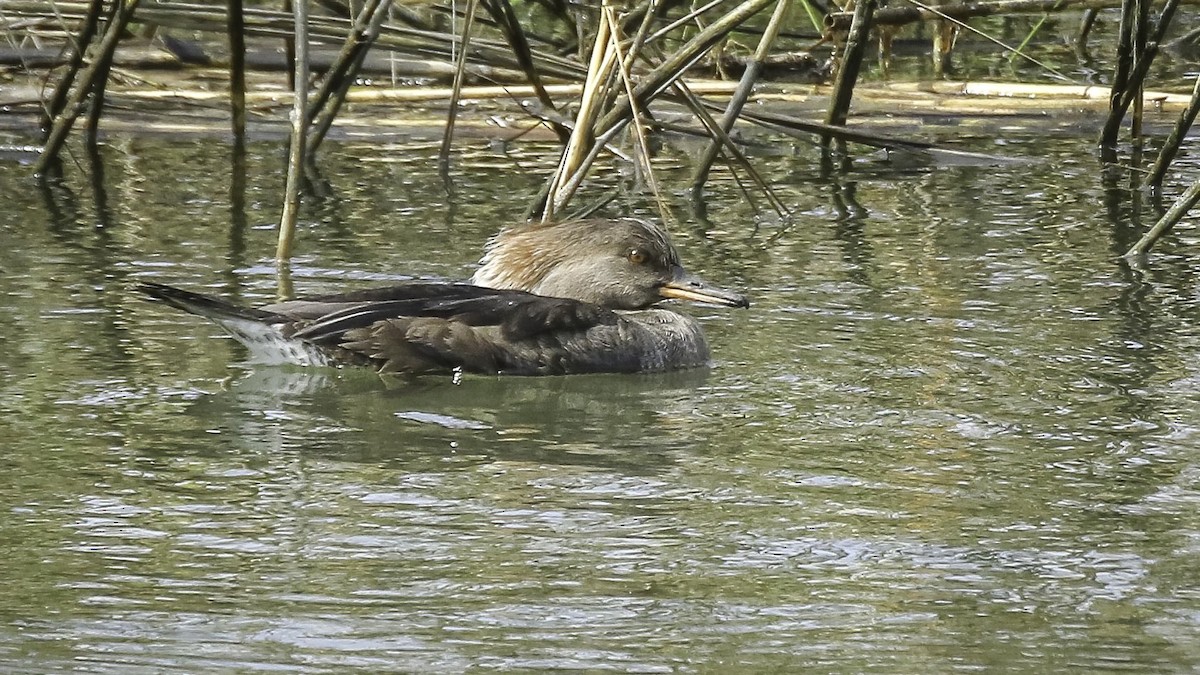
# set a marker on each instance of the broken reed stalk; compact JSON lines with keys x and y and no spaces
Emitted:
{"x":898,"y":16}
{"x":577,"y":154}
{"x":295,"y":164}
{"x":78,"y":48}
{"x":1121,"y":74}
{"x":1138,"y":57}
{"x":739,"y":98}
{"x":649,"y":9}
{"x":1143,"y":56}
{"x":502,"y":13}
{"x":95,"y":98}
{"x":460,"y":71}
{"x":1085,"y":29}
{"x":1171,"y":145}
{"x":237,"y":72}
{"x":700,"y":109}
{"x":1173,"y":215}
{"x":289,"y":44}
{"x":690,"y":17}
{"x":343,"y":62}
{"x":332,"y":93}
{"x":572,"y":182}
{"x":63,"y":122}
{"x":856,"y":46}
{"x":662,"y":76}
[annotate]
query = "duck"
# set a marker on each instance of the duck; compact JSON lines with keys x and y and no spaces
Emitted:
{"x":559,"y":298}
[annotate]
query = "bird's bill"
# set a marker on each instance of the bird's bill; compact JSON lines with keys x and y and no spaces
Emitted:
{"x":688,"y":287}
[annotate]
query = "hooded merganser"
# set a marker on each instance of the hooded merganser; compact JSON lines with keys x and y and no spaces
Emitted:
{"x":547,"y":299}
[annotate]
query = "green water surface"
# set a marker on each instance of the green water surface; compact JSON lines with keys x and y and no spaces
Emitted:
{"x":953,"y":432}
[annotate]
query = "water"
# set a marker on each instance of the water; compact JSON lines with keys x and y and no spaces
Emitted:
{"x":954,"y":433}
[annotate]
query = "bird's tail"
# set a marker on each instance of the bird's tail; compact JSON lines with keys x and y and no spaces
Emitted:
{"x":266,"y":334}
{"x":207,"y":306}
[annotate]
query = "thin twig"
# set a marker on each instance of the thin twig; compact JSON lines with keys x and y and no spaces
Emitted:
{"x":659,"y":79}
{"x":460,"y":71}
{"x":642,"y":152}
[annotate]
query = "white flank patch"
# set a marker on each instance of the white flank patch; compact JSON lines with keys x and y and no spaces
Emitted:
{"x":268,"y":345}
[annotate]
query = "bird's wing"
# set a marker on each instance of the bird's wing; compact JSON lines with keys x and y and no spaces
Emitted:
{"x":473,"y":328}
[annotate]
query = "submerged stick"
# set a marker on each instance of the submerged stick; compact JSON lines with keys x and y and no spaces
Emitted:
{"x":100,"y":61}
{"x":295,"y":165}
{"x":1173,"y":215}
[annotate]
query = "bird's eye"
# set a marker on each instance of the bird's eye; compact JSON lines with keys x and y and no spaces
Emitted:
{"x":637,"y":256}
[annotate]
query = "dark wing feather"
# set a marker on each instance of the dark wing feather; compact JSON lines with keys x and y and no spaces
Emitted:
{"x":409,"y":290}
{"x":535,"y":315}
{"x":318,"y":307}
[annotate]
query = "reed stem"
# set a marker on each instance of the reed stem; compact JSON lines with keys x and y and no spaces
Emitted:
{"x":1173,"y":215}
{"x":101,"y":61}
{"x":460,"y":71}
{"x":79,"y":47}
{"x":237,"y":71}
{"x":847,"y":76}
{"x":739,"y":98}
{"x":299,"y":119}
{"x":1171,"y":145}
